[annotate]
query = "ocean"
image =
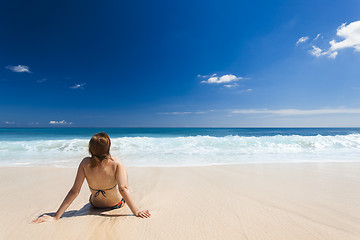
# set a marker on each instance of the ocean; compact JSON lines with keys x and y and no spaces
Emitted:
{"x":66,"y":147}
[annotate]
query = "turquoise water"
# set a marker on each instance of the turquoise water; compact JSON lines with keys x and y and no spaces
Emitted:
{"x":65,"y":147}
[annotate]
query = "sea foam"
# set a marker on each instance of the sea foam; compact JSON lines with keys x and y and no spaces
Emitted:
{"x":187,"y":151}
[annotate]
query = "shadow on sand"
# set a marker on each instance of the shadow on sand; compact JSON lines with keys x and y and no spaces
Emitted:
{"x":87,"y":209}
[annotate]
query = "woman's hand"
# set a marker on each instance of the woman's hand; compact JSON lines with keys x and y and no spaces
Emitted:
{"x":143,"y":214}
{"x":44,"y":218}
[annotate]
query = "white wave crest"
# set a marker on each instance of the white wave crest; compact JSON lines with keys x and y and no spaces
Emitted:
{"x":184,"y":151}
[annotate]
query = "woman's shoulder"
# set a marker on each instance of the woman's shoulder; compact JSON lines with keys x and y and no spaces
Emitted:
{"x":85,"y":161}
{"x":117,"y":162}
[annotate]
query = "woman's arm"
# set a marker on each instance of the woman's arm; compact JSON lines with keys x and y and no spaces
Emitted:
{"x":122,"y":180}
{"x":73,"y":193}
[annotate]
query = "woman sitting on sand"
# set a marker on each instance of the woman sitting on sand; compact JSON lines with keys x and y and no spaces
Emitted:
{"x":107,"y":179}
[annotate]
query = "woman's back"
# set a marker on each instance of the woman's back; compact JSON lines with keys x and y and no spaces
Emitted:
{"x":102,"y":182}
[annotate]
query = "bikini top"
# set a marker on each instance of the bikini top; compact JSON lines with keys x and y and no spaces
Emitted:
{"x":102,"y":191}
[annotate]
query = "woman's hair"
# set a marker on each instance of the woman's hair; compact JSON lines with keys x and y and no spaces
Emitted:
{"x":99,"y":148}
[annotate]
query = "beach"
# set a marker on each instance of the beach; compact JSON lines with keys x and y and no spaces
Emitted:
{"x":240,"y":201}
{"x":235,"y":120}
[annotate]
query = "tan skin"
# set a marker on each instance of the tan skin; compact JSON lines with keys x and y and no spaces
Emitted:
{"x":105,"y":175}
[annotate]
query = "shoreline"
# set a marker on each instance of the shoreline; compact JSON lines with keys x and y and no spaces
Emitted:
{"x":194,"y":166}
{"x":240,"y":201}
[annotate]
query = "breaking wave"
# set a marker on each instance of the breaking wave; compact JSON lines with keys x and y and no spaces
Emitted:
{"x":187,"y":151}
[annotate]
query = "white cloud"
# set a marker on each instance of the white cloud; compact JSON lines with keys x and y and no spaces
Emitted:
{"x":351,"y":35}
{"x":174,"y":113}
{"x":206,"y":76}
{"x":227,"y":78}
{"x":317,"y":52}
{"x":9,"y":123}
{"x":299,"y":111}
{"x":317,"y":36}
{"x":184,"y":113}
{"x":231,"y":85}
{"x":62,"y":122}
{"x":19,"y":68}
{"x":333,"y":55}
{"x":78,"y":85}
{"x":302,"y":40}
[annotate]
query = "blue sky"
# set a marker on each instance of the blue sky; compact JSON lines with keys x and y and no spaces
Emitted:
{"x":180,"y":63}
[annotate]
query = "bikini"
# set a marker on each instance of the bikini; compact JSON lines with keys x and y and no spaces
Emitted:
{"x":102,"y":191}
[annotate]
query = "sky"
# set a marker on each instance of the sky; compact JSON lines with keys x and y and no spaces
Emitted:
{"x":180,"y":63}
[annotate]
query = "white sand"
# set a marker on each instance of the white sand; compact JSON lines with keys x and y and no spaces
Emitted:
{"x":261,"y":201}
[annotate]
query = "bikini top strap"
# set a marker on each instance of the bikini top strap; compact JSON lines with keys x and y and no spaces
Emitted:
{"x":102,"y":189}
{"x":110,"y":188}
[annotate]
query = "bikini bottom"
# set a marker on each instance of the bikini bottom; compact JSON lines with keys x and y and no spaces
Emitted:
{"x":119,"y":205}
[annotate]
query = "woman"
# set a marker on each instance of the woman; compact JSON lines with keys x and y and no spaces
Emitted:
{"x":107,"y":179}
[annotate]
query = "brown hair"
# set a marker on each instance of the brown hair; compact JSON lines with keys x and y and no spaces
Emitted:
{"x":99,"y":148}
